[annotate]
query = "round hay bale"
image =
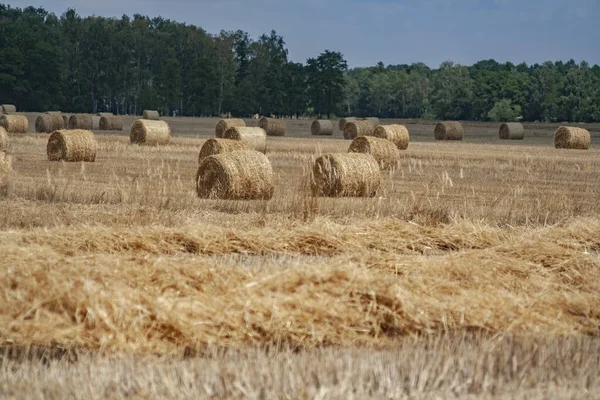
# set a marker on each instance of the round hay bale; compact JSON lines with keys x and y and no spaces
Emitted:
{"x":346,"y":175}
{"x":449,"y":130}
{"x":239,"y":175}
{"x":354,"y":129}
{"x":105,"y":114}
{"x":48,"y":123}
{"x":3,"y":139}
{"x":512,"y":131}
{"x":81,"y":121}
{"x":397,"y":134}
{"x":65,"y":122}
{"x":321,"y":127}
{"x":72,"y":145}
{"x":95,"y":122}
{"x":150,"y":133}
{"x":343,"y":122}
{"x":374,"y":121}
{"x":567,"y":137}
{"x":110,"y":123}
{"x":53,"y":112}
{"x":14,"y":123}
{"x":151,"y":115}
{"x":256,"y":138}
{"x":224,"y":124}
{"x":383,"y":151}
{"x":272,"y":126}
{"x":219,"y":146}
{"x":8,"y":108}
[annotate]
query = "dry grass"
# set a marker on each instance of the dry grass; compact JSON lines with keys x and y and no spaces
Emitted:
{"x":4,"y":139}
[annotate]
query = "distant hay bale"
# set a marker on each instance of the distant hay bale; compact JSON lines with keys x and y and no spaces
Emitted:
{"x":321,"y":127}
{"x":14,"y":123}
{"x":346,"y":175}
{"x":150,"y":133}
{"x":384,"y":151}
{"x":105,"y":114}
{"x":256,"y":138}
{"x":219,"y":146}
{"x":374,"y":120}
{"x":272,"y":126}
{"x":224,"y":124}
{"x":449,"y":130}
{"x":54,"y":112}
{"x":397,"y":134}
{"x":72,"y":145}
{"x":343,"y":122}
{"x":81,"y":121}
{"x":3,"y":139}
{"x":354,"y":129}
{"x":110,"y":123}
{"x":567,"y":137}
{"x":151,"y":115}
{"x":8,"y":108}
{"x":512,"y":131}
{"x":95,"y":122}
{"x":48,"y":123}
{"x":65,"y":122}
{"x":238,"y":175}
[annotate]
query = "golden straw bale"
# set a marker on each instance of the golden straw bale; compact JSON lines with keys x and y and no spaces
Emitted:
{"x":354,"y":129}
{"x":449,"y":130}
{"x":374,"y":121}
{"x":151,"y":115}
{"x":397,"y":134}
{"x":14,"y":123}
{"x":8,"y":108}
{"x":384,"y":151}
{"x":3,"y":139}
{"x":321,"y":127}
{"x":239,"y":175}
{"x":48,"y":123}
{"x":567,"y":137}
{"x":224,"y":124}
{"x":343,"y":122}
{"x":512,"y":131}
{"x":219,"y":146}
{"x":110,"y":123}
{"x":272,"y":126}
{"x":256,"y":138}
{"x":151,"y":133}
{"x":81,"y":121}
{"x":346,"y":175}
{"x":72,"y":145}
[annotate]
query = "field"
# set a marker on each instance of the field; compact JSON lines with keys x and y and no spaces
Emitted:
{"x":472,"y":274}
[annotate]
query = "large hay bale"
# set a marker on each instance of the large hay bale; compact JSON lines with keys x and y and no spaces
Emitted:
{"x":567,"y":137}
{"x":65,"y":122}
{"x":48,"y":123}
{"x":397,"y":134}
{"x":374,"y":121}
{"x":321,"y":127}
{"x":110,"y":123}
{"x":256,"y":138}
{"x":81,"y":121}
{"x":224,"y":124}
{"x":272,"y":126}
{"x":346,"y":175}
{"x":105,"y":114}
{"x":384,"y":151}
{"x":449,"y":130}
{"x":151,"y":115}
{"x":72,"y":145}
{"x":512,"y":131}
{"x":238,"y":175}
{"x":3,"y":139}
{"x":8,"y":108}
{"x":150,"y":133}
{"x":14,"y":123}
{"x":219,"y":146}
{"x":354,"y":129}
{"x":343,"y":122}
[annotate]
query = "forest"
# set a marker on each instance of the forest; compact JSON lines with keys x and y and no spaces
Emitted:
{"x":128,"y":64}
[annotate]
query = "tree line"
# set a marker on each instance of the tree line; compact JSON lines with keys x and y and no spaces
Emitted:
{"x":128,"y":64}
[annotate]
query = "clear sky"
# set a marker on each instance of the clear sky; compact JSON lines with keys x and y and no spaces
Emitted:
{"x":391,"y":31}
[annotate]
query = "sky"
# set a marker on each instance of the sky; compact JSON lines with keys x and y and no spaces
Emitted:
{"x":390,"y":31}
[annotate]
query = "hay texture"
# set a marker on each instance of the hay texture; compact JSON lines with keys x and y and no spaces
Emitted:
{"x":72,"y":145}
{"x":8,"y":108}
{"x":14,"y":123}
{"x":374,"y":120}
{"x":3,"y":139}
{"x":346,"y":175}
{"x":512,"y":131}
{"x":321,"y":127}
{"x":152,"y":115}
{"x":567,"y":137}
{"x":343,"y":122}
{"x":219,"y":146}
{"x":65,"y":121}
{"x":48,"y":123}
{"x":256,"y":138}
{"x":81,"y":121}
{"x":224,"y":124}
{"x":150,"y":133}
{"x":110,"y":123}
{"x":354,"y":129}
{"x":105,"y":114}
{"x":272,"y":126}
{"x":238,"y":175}
{"x":383,"y":151}
{"x":397,"y":134}
{"x":449,"y":130}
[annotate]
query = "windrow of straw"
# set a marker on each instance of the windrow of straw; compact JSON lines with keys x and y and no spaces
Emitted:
{"x":272,"y":126}
{"x":354,"y":129}
{"x":150,"y":133}
{"x":397,"y":134}
{"x":385,"y":152}
{"x":14,"y":123}
{"x":219,"y":146}
{"x":321,"y":127}
{"x":238,"y":175}
{"x":151,"y":115}
{"x":3,"y":139}
{"x":567,"y":137}
{"x":8,"y":108}
{"x":81,"y":121}
{"x":48,"y":123}
{"x":343,"y":122}
{"x":449,"y":130}
{"x":512,"y":131}
{"x":346,"y":175}
{"x":224,"y":124}
{"x":72,"y":145}
{"x":256,"y":138}
{"x":110,"y":123}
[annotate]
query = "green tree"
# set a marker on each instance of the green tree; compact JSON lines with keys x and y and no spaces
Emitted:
{"x":504,"y":111}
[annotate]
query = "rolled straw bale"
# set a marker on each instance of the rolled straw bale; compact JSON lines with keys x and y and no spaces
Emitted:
{"x":219,"y":146}
{"x":95,"y":122}
{"x":449,"y":130}
{"x":346,"y":175}
{"x":343,"y":121}
{"x":272,"y":126}
{"x":14,"y":123}
{"x":110,"y":123}
{"x":8,"y":108}
{"x":321,"y":127}
{"x":151,"y":115}
{"x":256,"y":138}
{"x":48,"y":123}
{"x":354,"y":129}
{"x":512,"y":131}
{"x":567,"y":137}
{"x":397,"y":134}
{"x":374,"y":120}
{"x":3,"y":139}
{"x":151,"y":133}
{"x":384,"y":151}
{"x":72,"y":145}
{"x":224,"y":124}
{"x":81,"y":121}
{"x":238,"y":175}
{"x":105,"y":114}
{"x":65,"y":122}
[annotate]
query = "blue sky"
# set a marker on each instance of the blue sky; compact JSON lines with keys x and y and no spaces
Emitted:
{"x":391,"y":31}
